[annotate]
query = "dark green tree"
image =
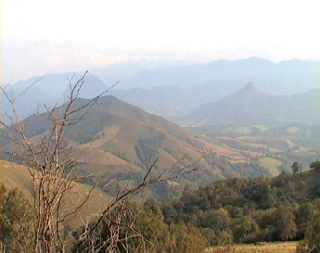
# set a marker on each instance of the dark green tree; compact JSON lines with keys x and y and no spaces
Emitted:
{"x":296,"y":167}
{"x":16,"y":230}
{"x":244,"y":228}
{"x":315,"y":165}
{"x":303,"y":215}
{"x":286,"y":228}
{"x":216,"y":219}
{"x":311,"y":242}
{"x":184,"y":239}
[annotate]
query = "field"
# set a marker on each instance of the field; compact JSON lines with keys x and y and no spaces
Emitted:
{"x":283,"y":247}
{"x":271,"y":164}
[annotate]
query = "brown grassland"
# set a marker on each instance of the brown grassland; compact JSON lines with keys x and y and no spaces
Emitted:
{"x":17,"y":176}
{"x":277,"y":247}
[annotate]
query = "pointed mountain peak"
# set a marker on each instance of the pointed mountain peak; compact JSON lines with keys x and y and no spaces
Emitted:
{"x":250,"y":88}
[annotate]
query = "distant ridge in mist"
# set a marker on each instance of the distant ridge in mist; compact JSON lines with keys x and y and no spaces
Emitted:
{"x":250,"y":105}
{"x":174,"y":89}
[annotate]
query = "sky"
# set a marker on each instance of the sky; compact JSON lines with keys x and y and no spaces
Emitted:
{"x":42,"y":36}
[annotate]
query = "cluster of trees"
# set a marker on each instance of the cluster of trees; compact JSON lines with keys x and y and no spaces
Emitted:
{"x":152,"y":234}
{"x":223,"y":226}
{"x":250,"y":210}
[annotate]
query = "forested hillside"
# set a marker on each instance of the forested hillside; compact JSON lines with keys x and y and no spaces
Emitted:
{"x":250,"y":210}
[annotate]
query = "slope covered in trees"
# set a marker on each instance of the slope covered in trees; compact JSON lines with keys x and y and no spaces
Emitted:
{"x":249,"y":210}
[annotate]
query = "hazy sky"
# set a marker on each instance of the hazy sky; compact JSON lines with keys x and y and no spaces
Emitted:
{"x":40,"y":36}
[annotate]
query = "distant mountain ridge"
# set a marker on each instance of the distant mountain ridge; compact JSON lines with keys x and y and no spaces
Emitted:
{"x":49,"y":90}
{"x":286,"y":77}
{"x":172,"y":92}
{"x":251,"y":106}
{"x":174,"y":89}
{"x":55,"y":85}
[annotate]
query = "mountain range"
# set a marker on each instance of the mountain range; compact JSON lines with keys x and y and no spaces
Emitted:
{"x":30,"y":95}
{"x":172,"y":89}
{"x":285,"y":78}
{"x":173,"y":92}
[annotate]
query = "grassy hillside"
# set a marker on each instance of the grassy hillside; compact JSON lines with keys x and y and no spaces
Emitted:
{"x":272,"y":164}
{"x":15,"y":176}
{"x":116,"y":140}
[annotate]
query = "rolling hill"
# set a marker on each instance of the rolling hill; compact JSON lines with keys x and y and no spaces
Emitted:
{"x":119,"y":141}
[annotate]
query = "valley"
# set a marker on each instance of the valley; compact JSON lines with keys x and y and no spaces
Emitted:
{"x":159,"y":126}
{"x":228,"y":162}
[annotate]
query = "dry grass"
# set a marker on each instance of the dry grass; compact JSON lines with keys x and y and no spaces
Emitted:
{"x":283,"y":247}
{"x":15,"y":176}
{"x":271,"y":164}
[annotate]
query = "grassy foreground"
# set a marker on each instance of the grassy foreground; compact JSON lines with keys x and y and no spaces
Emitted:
{"x":278,"y":247}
